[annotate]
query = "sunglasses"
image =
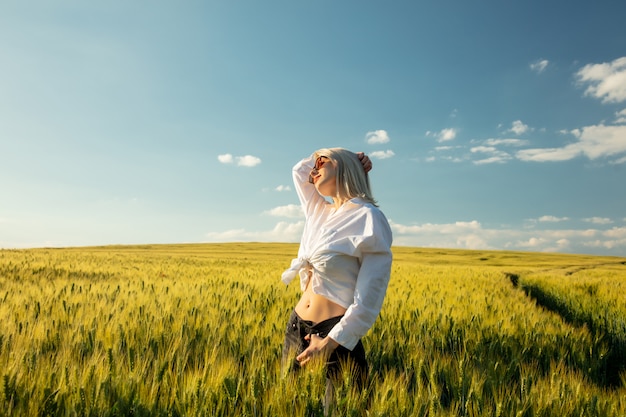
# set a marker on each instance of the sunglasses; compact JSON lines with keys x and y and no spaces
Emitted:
{"x":319,"y":163}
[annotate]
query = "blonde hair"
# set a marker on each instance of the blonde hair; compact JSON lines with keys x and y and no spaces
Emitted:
{"x":352,"y":180}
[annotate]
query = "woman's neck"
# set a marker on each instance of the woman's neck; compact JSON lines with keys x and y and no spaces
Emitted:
{"x":338,"y":202}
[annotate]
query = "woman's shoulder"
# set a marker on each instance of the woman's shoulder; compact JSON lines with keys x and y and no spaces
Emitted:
{"x":365,"y":205}
{"x":365,"y":209}
{"x":373,"y":226}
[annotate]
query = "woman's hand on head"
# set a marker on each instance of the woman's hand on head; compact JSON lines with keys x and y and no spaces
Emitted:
{"x":365,"y":161}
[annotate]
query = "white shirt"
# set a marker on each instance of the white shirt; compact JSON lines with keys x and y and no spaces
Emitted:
{"x":348,"y":251}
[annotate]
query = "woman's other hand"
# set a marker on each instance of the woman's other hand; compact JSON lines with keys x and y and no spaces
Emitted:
{"x":318,"y":347}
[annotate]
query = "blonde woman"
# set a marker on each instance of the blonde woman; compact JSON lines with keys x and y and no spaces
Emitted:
{"x":344,"y":263}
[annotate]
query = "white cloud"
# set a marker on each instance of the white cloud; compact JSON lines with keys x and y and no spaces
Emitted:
{"x":563,"y":243}
{"x":619,"y":161}
{"x":377,"y":137}
{"x":495,"y":155}
{"x":452,"y":235}
{"x":248,"y":161}
{"x":598,"y":220}
{"x":444,"y":135}
{"x":614,"y":238}
{"x":616,"y":232}
{"x":548,"y":154}
{"x":463,"y":235}
{"x":282,"y":232}
{"x":518,"y":127}
{"x":539,"y":66}
{"x":472,"y":235}
{"x":382,"y":154}
{"x":506,"y":142}
{"x":242,"y":161}
{"x":552,"y":219}
{"x":225,"y":159}
{"x":282,"y":188}
{"x":599,"y":140}
{"x":531,"y":243}
{"x":447,"y":228}
{"x":483,"y":149}
{"x":491,"y":160}
{"x":290,"y":210}
{"x":593,"y":142}
{"x":233,"y":235}
{"x":606,"y":81}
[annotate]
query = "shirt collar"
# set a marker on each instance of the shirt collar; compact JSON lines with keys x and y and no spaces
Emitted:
{"x":356,"y":201}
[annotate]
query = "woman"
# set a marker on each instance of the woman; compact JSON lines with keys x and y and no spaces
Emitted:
{"x":344,"y":262}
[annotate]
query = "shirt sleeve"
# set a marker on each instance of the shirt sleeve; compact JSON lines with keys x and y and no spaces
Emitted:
{"x":371,"y":286}
{"x":310,"y":199}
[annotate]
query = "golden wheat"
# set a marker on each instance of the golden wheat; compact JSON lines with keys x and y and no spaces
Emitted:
{"x":198,"y":330}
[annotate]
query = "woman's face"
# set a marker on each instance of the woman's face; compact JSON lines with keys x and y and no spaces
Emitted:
{"x":323,"y":177}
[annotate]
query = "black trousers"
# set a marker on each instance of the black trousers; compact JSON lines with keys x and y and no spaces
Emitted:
{"x":295,"y":344}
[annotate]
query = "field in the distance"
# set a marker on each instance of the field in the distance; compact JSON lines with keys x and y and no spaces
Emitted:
{"x":198,"y":330}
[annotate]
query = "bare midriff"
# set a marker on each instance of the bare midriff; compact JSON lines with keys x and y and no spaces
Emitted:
{"x":317,"y":308}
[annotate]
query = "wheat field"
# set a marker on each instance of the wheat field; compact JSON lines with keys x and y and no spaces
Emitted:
{"x":197,"y":330}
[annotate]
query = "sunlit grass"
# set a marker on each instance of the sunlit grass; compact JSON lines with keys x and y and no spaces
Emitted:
{"x":198,"y":330}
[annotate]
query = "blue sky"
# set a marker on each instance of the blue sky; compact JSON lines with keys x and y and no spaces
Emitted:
{"x":491,"y":124}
